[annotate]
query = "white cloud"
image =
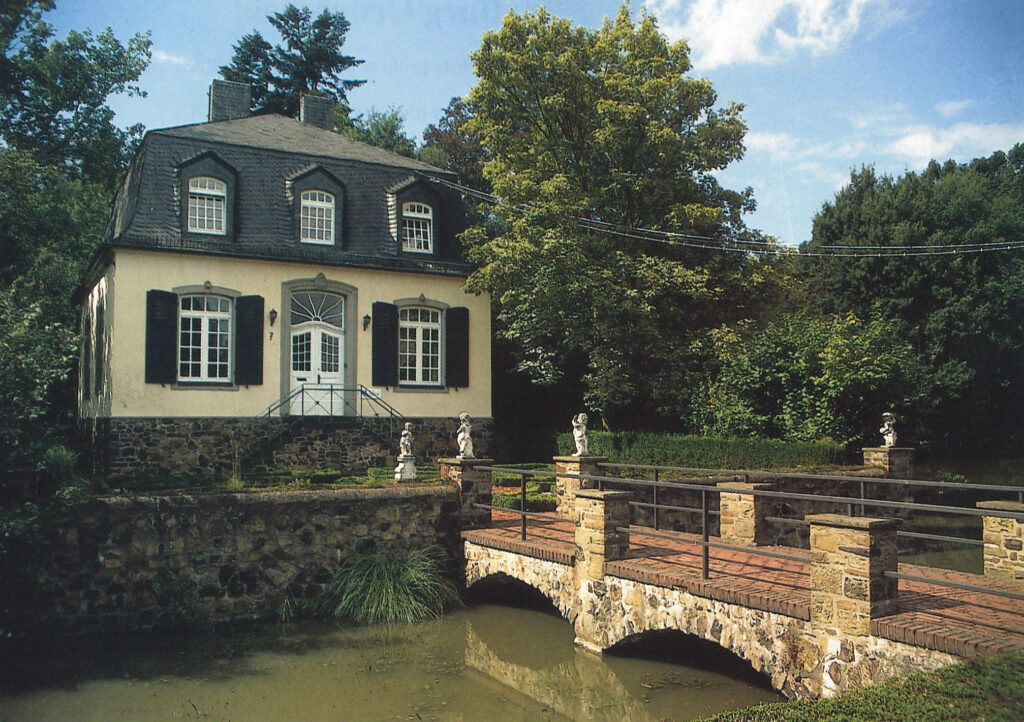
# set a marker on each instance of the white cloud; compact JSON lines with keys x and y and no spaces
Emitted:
{"x":723,"y":32}
{"x":953,"y":108}
{"x":918,"y":144}
{"x":160,"y":56}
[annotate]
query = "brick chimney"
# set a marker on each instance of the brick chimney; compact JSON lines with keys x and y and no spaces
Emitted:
{"x":229,"y":100}
{"x":316,"y":111}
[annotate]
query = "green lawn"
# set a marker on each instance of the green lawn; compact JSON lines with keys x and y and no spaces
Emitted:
{"x":990,"y":690}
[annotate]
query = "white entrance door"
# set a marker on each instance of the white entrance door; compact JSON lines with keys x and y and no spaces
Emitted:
{"x":317,"y":354}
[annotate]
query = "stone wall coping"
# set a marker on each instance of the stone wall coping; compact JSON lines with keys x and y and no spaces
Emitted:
{"x":745,"y":485}
{"x":591,"y":459}
{"x":1001,"y":505}
{"x":475,"y":461}
{"x":406,"y":491}
{"x":852,"y":522}
{"x":603,"y":495}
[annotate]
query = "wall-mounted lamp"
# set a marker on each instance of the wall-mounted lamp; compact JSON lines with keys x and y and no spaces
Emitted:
{"x":366,"y":321}
{"x":273,"y":316}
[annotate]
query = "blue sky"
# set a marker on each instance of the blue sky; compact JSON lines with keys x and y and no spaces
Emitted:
{"x":829,"y":85}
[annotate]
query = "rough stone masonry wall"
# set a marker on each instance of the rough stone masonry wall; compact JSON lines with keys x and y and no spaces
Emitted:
{"x":125,"y":447}
{"x":136,"y":563}
{"x":800,"y":660}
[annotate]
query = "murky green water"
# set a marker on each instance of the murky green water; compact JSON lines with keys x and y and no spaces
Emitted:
{"x":485,"y":663}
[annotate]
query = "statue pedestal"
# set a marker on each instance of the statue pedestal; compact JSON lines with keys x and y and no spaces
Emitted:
{"x":474,"y":487}
{"x":898,"y":461}
{"x":406,"y":469}
{"x":568,"y":482}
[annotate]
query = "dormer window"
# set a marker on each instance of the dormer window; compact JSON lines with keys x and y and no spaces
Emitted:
{"x":316,"y":218}
{"x":417,"y":228}
{"x":207,"y":201}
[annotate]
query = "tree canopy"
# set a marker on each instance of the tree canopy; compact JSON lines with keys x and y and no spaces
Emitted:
{"x":310,"y":59}
{"x":382,"y":128}
{"x":53,"y":93}
{"x":963,"y":313}
{"x":606,"y":124}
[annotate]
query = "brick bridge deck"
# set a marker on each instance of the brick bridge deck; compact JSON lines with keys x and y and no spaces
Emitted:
{"x":965,"y":624}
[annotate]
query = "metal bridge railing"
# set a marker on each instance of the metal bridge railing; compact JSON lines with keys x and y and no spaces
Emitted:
{"x":704,"y":487}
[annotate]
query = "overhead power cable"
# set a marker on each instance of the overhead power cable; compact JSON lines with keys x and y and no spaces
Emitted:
{"x":738,"y":245}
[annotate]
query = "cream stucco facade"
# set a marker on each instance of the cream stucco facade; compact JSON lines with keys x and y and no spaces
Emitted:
{"x":133,"y":272}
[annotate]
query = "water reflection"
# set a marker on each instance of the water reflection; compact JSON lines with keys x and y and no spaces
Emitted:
{"x":486,"y":662}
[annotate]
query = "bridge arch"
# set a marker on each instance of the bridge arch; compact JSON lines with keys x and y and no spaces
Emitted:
{"x":554,"y":580}
{"x":546,"y":591}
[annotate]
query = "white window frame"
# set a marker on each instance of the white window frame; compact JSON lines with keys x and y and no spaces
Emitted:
{"x":206,"y":197}
{"x":417,"y":227}
{"x":211,"y":325}
{"x":317,"y":217}
{"x":419,"y":347}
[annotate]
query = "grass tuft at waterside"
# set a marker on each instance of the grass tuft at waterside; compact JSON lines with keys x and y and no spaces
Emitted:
{"x":382,"y":588}
{"x":639,"y":447}
{"x":990,"y":690}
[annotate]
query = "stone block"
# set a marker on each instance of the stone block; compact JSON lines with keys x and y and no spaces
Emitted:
{"x":1002,"y":537}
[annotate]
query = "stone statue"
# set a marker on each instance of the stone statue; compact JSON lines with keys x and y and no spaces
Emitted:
{"x":465,"y":436}
{"x":405,"y":443}
{"x":406,"y":469}
{"x":579,"y":434}
{"x":888,"y":430}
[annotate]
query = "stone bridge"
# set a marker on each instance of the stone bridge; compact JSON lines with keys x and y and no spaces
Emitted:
{"x":815,"y":621}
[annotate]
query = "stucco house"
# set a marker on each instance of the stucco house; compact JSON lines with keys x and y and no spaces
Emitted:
{"x":270,"y":293}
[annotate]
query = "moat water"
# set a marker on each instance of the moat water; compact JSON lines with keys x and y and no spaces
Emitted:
{"x":487,"y":662}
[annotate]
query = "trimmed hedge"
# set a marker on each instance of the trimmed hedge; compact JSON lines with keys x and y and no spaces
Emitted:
{"x":636,"y":447}
{"x":535,"y":501}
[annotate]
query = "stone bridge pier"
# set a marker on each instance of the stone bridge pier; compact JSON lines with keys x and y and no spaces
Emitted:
{"x":818,"y":649}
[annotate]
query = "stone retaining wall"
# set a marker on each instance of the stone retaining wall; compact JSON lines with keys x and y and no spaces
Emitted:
{"x":136,"y":563}
{"x":124,"y":447}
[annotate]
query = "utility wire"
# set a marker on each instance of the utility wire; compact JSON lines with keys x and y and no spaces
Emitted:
{"x":689,"y":240}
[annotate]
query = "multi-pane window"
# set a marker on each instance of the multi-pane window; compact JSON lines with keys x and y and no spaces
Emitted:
{"x":302,"y":352}
{"x":417,"y":227}
{"x":207,"y":200}
{"x":204,"y":332}
{"x":329,"y":356}
{"x":419,"y":346}
{"x":316,"y":222}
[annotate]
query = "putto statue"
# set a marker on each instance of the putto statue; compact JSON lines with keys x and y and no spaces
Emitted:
{"x":888,"y":430}
{"x":579,"y":434}
{"x":406,"y":469}
{"x":405,"y":443}
{"x":465,"y":436}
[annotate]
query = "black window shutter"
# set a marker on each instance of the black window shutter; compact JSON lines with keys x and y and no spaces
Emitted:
{"x":161,"y":337}
{"x":456,"y":347}
{"x":385,"y":344}
{"x":249,"y":341}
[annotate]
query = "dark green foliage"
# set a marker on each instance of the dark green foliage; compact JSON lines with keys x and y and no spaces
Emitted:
{"x":991,"y":690}
{"x":308,"y":60}
{"x":59,"y":463}
{"x":963,"y":314}
{"x":384,"y":129}
{"x":631,"y":447}
{"x":539,"y":490}
{"x":806,"y":378}
{"x":461,"y":150}
{"x":389,"y":588}
{"x":535,"y":501}
{"x":53,"y":93}
{"x":606,"y":124}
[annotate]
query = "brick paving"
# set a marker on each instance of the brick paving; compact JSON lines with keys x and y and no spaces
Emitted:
{"x":965,"y":623}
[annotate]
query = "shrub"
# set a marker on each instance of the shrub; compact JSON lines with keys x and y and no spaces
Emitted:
{"x":634,"y":447}
{"x":376,"y":588}
{"x":535,"y":501}
{"x":59,"y":463}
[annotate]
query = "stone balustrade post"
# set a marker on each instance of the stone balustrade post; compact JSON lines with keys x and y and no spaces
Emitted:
{"x":742,"y":519}
{"x":567,"y":483}
{"x":1004,"y":539}
{"x":599,"y":515}
{"x":849,"y":558}
{"x":898,"y":461}
{"x":474,"y":488}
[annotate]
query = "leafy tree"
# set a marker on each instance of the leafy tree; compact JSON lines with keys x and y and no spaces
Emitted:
{"x":462,"y":151}
{"x":310,"y":60}
{"x":807,"y":378}
{"x":963,"y":313}
{"x":605,"y":124}
{"x":53,"y":93}
{"x":384,"y":129}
